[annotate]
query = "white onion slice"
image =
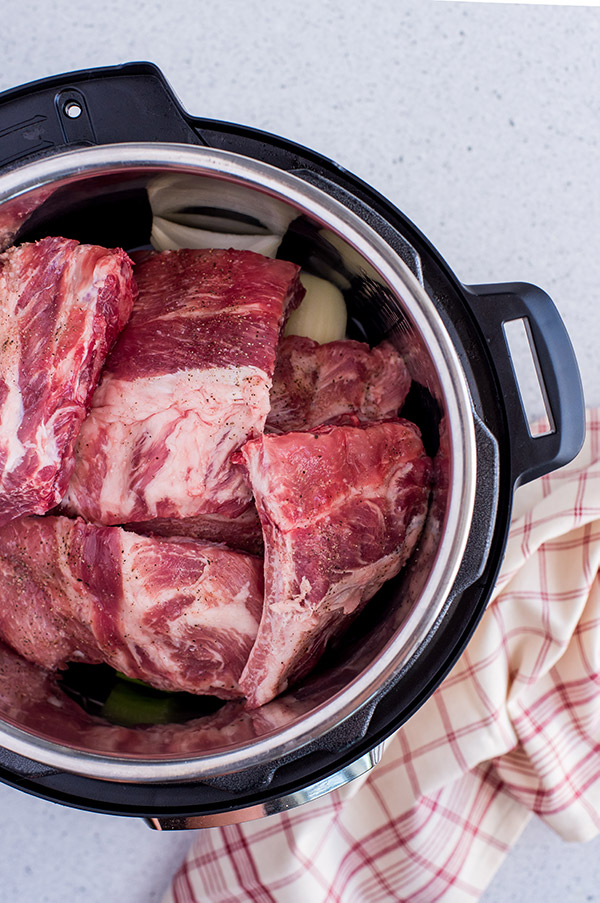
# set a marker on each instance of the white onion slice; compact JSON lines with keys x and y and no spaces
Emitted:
{"x":322,"y":315}
{"x":167,"y":235}
{"x":202,"y":212}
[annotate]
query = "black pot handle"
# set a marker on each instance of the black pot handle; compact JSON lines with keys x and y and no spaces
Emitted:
{"x":495,"y":305}
{"x":132,"y":102}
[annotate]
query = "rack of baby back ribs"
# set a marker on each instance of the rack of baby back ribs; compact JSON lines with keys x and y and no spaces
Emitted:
{"x":192,"y":495}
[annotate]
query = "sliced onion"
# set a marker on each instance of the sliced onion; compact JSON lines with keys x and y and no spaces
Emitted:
{"x":322,"y":315}
{"x":202,"y":212}
{"x":167,"y":235}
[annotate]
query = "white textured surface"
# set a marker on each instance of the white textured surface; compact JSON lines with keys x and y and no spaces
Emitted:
{"x":481,"y":122}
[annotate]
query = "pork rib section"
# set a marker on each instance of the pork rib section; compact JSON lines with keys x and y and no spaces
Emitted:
{"x":186,"y":385}
{"x":314,"y":384}
{"x":180,"y":614}
{"x":341,"y":509}
{"x":62,"y":306}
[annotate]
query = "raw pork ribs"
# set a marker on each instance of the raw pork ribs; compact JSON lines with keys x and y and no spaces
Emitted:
{"x":341,"y":509}
{"x":62,"y":305}
{"x":180,"y":614}
{"x":314,"y":384}
{"x":187,"y":384}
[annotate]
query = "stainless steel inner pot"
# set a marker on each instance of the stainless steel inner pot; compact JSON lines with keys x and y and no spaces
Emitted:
{"x":390,"y":300}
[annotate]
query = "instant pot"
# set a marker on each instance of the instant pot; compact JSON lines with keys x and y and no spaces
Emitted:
{"x":80,"y":156}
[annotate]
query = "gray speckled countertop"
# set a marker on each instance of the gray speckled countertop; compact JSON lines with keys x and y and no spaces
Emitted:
{"x":482,"y":123}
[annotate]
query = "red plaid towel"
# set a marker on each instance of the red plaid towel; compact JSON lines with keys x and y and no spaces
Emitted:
{"x":514,"y":729}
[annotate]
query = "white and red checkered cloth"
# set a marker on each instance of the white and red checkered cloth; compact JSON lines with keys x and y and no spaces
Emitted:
{"x":513,"y":730}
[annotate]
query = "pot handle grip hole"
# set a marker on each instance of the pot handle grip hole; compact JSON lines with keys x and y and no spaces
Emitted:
{"x":536,"y":368}
{"x":131,"y":102}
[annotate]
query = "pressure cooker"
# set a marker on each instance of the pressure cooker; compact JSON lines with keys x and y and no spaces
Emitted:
{"x":80,"y":156}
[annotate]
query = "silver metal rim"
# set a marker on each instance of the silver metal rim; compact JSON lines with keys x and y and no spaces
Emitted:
{"x":117,"y":158}
{"x":284,"y":803}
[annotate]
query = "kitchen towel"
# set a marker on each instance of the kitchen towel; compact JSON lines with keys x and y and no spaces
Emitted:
{"x":513,"y":730}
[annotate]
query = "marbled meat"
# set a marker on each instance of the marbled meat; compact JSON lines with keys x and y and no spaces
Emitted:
{"x":186,"y":385}
{"x":180,"y":614}
{"x":341,"y":509}
{"x":315,"y":384}
{"x":62,"y":305}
